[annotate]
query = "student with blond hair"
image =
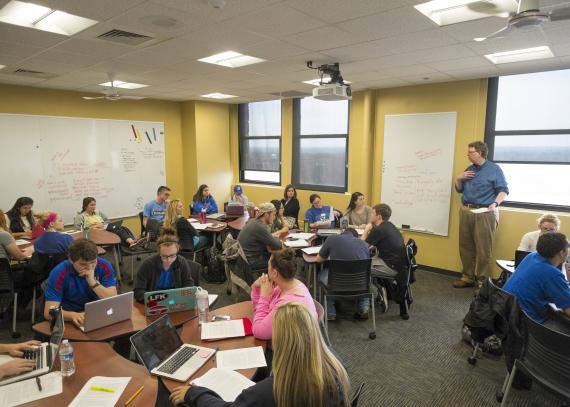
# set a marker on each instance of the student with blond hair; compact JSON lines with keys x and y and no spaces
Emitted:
{"x":188,"y":237}
{"x":547,"y":223}
{"x":52,"y":240}
{"x":305,"y":372}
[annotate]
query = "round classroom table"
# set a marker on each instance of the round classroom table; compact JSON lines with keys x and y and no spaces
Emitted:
{"x":239,"y":223}
{"x":191,"y":334}
{"x":311,"y":261}
{"x":99,"y":359}
{"x":137,"y":322}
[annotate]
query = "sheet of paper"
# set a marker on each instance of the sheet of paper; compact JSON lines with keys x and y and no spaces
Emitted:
{"x":244,"y":358}
{"x":222,"y":329}
{"x":227,"y":383}
{"x":329,"y":232}
{"x":301,"y":235}
{"x":216,"y":215}
{"x":20,"y":242}
{"x":202,"y":226}
{"x":100,"y":391}
{"x":312,"y":250}
{"x":212,"y":298}
{"x":192,"y":220}
{"x":296,"y":243}
{"x":480,"y":210}
{"x":360,"y":231}
{"x":26,"y":391}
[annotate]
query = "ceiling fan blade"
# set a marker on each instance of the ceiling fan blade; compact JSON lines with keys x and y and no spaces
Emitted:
{"x":497,"y":7}
{"x":131,"y":97}
{"x":559,"y":14}
{"x":503,"y":32}
{"x":93,"y":98}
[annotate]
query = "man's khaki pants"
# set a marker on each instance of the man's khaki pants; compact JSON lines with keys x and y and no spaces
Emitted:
{"x":476,"y":233}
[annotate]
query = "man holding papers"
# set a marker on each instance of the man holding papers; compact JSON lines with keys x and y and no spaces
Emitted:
{"x":484,"y":188}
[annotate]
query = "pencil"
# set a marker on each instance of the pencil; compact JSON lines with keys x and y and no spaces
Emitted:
{"x":134,"y":396}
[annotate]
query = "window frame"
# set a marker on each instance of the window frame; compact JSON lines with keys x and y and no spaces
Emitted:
{"x":243,"y":137}
{"x":296,"y":162}
{"x":491,"y":133}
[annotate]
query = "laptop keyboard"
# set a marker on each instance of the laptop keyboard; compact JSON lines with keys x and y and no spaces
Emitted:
{"x":36,"y":355}
{"x":181,"y":357}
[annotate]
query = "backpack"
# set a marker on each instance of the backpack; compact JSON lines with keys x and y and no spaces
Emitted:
{"x":215,"y":263}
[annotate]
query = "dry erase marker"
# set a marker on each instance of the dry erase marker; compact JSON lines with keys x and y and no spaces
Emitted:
{"x":148,"y":137}
{"x":39,"y":383}
{"x":105,"y":389}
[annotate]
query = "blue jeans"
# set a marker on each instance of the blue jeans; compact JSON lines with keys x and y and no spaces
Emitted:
{"x":363,"y":302}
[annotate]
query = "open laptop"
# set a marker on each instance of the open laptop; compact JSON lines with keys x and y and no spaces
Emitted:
{"x":162,"y":352}
{"x":166,"y":301}
{"x":519,"y":256}
{"x":107,"y":311}
{"x":234,"y":210}
{"x":113,"y":226}
{"x":45,"y":355}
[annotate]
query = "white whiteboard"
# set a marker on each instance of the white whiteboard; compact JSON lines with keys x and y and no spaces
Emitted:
{"x":417,"y":170}
{"x":57,"y":161}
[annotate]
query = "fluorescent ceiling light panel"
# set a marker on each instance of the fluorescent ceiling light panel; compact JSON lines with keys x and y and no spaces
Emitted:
{"x":124,"y":85}
{"x":43,"y":18}
{"x":317,"y":82}
{"x":519,"y":55}
{"x":218,"y":96}
{"x":231,"y":59}
{"x":444,"y":12}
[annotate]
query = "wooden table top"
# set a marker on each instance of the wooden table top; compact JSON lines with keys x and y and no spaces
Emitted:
{"x":191,"y":334}
{"x":99,"y":359}
{"x":137,"y":322}
{"x":218,"y":225}
{"x":239,"y":223}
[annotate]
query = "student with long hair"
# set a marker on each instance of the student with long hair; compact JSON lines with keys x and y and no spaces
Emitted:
{"x":188,"y":237}
{"x":165,"y":270}
{"x":279,"y":227}
{"x":305,"y":372}
{"x":359,"y":214}
{"x":203,"y":200}
{"x":52,"y":241}
{"x":291,"y":206}
{"x":319,"y":215}
{"x":20,"y":218}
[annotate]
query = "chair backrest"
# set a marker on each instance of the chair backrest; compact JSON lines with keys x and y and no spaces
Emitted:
{"x":153,"y":229}
{"x":349,"y":276}
{"x":41,"y":264}
{"x":6,"y":278}
{"x":547,"y":354}
{"x":356,"y":396}
{"x":411,"y":251}
{"x":141,"y":216}
{"x":320,"y":311}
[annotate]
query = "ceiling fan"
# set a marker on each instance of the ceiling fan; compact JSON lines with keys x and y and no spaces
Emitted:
{"x":527,"y":15}
{"x":112,"y":93}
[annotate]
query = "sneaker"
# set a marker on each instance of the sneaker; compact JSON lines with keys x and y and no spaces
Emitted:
{"x":404,"y":313}
{"x":138,"y":243}
{"x":331,"y":317}
{"x":361,"y":315}
{"x":459,"y":283}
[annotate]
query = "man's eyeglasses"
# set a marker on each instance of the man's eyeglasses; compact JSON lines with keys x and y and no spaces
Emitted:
{"x":169,"y":258}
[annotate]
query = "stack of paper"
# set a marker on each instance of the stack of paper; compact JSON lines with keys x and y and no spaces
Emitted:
{"x":20,"y":242}
{"x":222,"y":329}
{"x":101,"y":391}
{"x":296,"y":243}
{"x":27,"y":390}
{"x":192,"y":220}
{"x":227,"y":383}
{"x":245,"y":358}
{"x":312,"y":250}
{"x":202,"y":226}
{"x":301,"y":235}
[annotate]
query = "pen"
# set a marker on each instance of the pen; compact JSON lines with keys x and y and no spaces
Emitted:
{"x":39,"y":383}
{"x":105,"y":389}
{"x":134,"y":396}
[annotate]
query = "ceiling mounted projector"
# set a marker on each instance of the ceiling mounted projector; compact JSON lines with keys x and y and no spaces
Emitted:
{"x":335,"y":88}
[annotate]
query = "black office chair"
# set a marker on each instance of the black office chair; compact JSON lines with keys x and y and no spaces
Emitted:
{"x":8,"y":295}
{"x":321,"y":316}
{"x":349,"y":279}
{"x":152,"y":231}
{"x":545,"y":359}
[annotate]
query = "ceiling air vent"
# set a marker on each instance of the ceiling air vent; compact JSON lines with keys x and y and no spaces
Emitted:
{"x":34,"y":74}
{"x":290,"y":94}
{"x":125,"y":37}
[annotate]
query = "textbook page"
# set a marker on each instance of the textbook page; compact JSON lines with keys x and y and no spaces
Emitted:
{"x":245,"y":358}
{"x":296,"y":243}
{"x":227,"y":383}
{"x":312,"y":250}
{"x":301,"y":235}
{"x":26,"y":391}
{"x":222,"y":329}
{"x":202,"y":226}
{"x":100,"y":391}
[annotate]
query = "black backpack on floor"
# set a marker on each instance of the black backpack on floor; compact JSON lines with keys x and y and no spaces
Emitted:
{"x":215,"y":266}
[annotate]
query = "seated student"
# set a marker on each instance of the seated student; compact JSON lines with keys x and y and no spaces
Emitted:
{"x":203,"y":200}
{"x":256,"y":240}
{"x":90,"y":217}
{"x":319,"y":215}
{"x":346,"y":246}
{"x":164,"y":270}
{"x":20,"y":218}
{"x":538,"y":281}
{"x":52,"y":241}
{"x":156,"y":208}
{"x":276,"y":288}
{"x":291,"y":205}
{"x":546,"y":223}
{"x":238,"y":196}
{"x":279,"y":226}
{"x":188,"y":237}
{"x":8,"y":247}
{"x":305,"y":372}
{"x":359,"y":214}
{"x":17,"y":365}
{"x":81,"y":279}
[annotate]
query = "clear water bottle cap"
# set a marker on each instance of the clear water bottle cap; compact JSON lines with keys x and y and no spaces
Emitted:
{"x":65,"y":341}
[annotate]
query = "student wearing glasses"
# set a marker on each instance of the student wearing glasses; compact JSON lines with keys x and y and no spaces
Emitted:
{"x":165,"y":270}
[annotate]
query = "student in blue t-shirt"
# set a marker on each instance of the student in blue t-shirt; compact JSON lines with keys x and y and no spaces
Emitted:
{"x":156,"y":209}
{"x":203,"y":199}
{"x":52,"y":241}
{"x":537,"y":281}
{"x":320,"y":213}
{"x":81,"y":279}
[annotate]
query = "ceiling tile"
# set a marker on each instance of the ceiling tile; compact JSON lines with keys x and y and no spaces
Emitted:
{"x":334,"y":11}
{"x":96,"y":48}
{"x":460,"y":63}
{"x":28,"y":36}
{"x":99,"y":10}
{"x":326,"y":37}
{"x":274,"y":49}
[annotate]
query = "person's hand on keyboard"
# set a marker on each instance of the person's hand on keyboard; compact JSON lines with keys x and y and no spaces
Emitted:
{"x":16,"y":366}
{"x":78,"y":318}
{"x":17,"y":349}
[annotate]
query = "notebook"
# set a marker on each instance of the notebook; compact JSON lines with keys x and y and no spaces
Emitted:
{"x":166,"y":301}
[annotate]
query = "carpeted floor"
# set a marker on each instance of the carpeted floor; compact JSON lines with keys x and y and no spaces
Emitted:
{"x":419,"y":362}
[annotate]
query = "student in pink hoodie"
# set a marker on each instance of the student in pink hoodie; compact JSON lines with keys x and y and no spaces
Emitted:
{"x":276,"y":288}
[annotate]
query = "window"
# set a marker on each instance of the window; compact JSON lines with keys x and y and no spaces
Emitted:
{"x":260,"y":142}
{"x":528,"y":134}
{"x":320,"y":144}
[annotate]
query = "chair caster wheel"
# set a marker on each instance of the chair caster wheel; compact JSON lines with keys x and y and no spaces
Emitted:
{"x":499,"y":396}
{"x":372,"y":335}
{"x":472,"y":360}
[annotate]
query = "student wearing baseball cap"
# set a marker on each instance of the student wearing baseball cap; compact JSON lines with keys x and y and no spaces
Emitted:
{"x":238,"y":196}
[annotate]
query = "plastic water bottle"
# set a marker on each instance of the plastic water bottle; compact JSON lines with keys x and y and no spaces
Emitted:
{"x":66,"y":358}
{"x":203,"y":215}
{"x":344,"y":222}
{"x":331,"y":217}
{"x":202,"y":305}
{"x":306,"y":225}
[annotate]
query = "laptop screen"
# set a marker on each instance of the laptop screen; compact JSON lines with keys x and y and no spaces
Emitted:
{"x":519,"y":257}
{"x":156,"y":342}
{"x":56,"y":336}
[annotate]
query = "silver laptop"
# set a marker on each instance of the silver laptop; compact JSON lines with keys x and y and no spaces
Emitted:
{"x":107,"y":311}
{"x":162,"y":352}
{"x":45,"y":355}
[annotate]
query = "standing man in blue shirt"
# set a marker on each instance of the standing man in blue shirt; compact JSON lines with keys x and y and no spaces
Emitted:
{"x":483,"y":185}
{"x":81,"y":279}
{"x":538,"y":281}
{"x":156,"y":209}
